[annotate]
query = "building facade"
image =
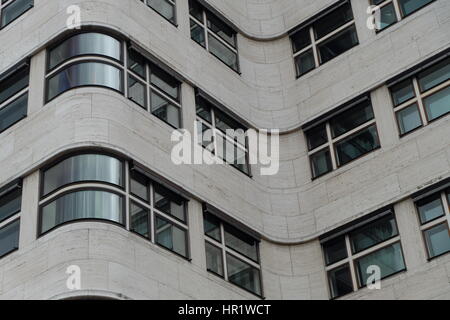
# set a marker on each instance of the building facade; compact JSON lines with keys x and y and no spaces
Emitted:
{"x":359,"y":90}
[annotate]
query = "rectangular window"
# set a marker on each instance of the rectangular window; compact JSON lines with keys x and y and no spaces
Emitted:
{"x":214,"y":35}
{"x":10,"y":207}
{"x":325,"y":38}
{"x":434,"y":217}
{"x":349,"y":254}
{"x":343,"y":138}
{"x":388,"y":12}
{"x":13,"y":97}
{"x":166,"y":8}
{"x":158,"y":214}
{"x":10,"y":10}
{"x":422,"y":98}
{"x":154,"y":89}
{"x":239,"y":250}
{"x":222,"y":135}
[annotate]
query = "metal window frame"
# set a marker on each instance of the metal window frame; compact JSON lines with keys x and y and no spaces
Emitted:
{"x":174,"y":5}
{"x":6,"y":4}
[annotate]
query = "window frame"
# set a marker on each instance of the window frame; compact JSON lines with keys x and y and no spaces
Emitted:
{"x":418,"y":98}
{"x":174,"y":5}
{"x":4,"y":5}
{"x":352,"y":258}
{"x":207,"y":32}
{"x":16,"y":215}
{"x":226,"y":250}
{"x":443,"y":220}
{"x":331,"y":142}
{"x":315,"y":43}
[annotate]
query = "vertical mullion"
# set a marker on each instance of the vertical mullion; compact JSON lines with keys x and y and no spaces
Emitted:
{"x":147,"y":88}
{"x":420,"y":102}
{"x":313,"y":45}
{"x":205,"y":26}
{"x":224,"y":252}
{"x":125,"y":69}
{"x":213,"y":128}
{"x":398,"y":12}
{"x":331,"y":147}
{"x":127,"y":197}
{"x":350,"y":263}
{"x":152,"y":225}
{"x":446,"y":206}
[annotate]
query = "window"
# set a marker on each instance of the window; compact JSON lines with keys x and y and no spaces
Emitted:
{"x":97,"y":59}
{"x":222,"y":135}
{"x":392,"y":11}
{"x":13,"y":96}
{"x":349,"y":254}
{"x":10,"y":10}
{"x":324,"y":38}
{"x":434,"y":218}
{"x":423,"y":98}
{"x":10,"y":206}
{"x":214,"y":35}
{"x":166,"y":8}
{"x":158,"y":214}
{"x":154,"y":89}
{"x":343,"y":138}
{"x":232,"y":254}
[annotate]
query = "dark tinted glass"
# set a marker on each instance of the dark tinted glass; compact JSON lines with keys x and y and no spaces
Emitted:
{"x":409,"y":119}
{"x":139,"y":220}
{"x":435,"y":75}
{"x":387,"y":16}
{"x":84,"y":74}
{"x":198,"y":33}
{"x":437,"y":104}
{"x":137,"y":91}
{"x":222,"y":52}
{"x":139,"y":185}
{"x":409,"y":6}
{"x":221,"y":29}
{"x":338,"y":44}
{"x":196,"y":10}
{"x":9,"y":238}
{"x":301,"y":39}
{"x":317,"y":136}
{"x":169,"y":202}
{"x":13,"y":84}
{"x":335,"y":250}
{"x":224,"y":122}
{"x":211,"y":225}
{"x":321,"y":162}
{"x":204,"y":109}
{"x":357,"y":145}
{"x":85,"y":44}
{"x":430,"y":208}
{"x":402,"y":92}
{"x":13,"y":112}
{"x":136,"y":63}
{"x":86,"y":204}
{"x":241,"y":242}
{"x":373,"y":233}
{"x":164,"y":81}
{"x":333,"y":20}
{"x":340,"y":281}
{"x":165,"y":110}
{"x":305,"y":62}
{"x":438,"y":240}
{"x":10,"y":203}
{"x":170,"y":236}
{"x":163,"y":7}
{"x":14,"y":10}
{"x":351,"y":118}
{"x":214,"y":259}
{"x":243,"y":275}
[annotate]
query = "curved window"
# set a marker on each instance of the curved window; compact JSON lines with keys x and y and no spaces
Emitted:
{"x":84,"y":204}
{"x":85,"y":44}
{"x":83,"y":167}
{"x":84,"y":74}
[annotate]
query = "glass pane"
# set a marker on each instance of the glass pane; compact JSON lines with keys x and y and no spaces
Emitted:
{"x":430,"y":208}
{"x":305,"y":62}
{"x":86,"y":204}
{"x":338,"y":44}
{"x":84,"y":74}
{"x":241,"y":162}
{"x":351,"y":118}
{"x":438,"y":240}
{"x":14,"y":10}
{"x":163,"y":7}
{"x":137,"y":91}
{"x":340,"y":281}
{"x":317,"y":136}
{"x":139,"y":220}
{"x":205,"y":136}
{"x":13,"y":84}
{"x":136,"y":63}
{"x":85,"y":44}
{"x":211,"y":225}
{"x":333,"y":20}
{"x":222,"y":52}
{"x":241,"y":242}
{"x":434,"y":76}
{"x":10,"y":203}
{"x":321,"y":162}
{"x":357,"y":145}
{"x":9,"y":238}
{"x":389,"y":260}
{"x":165,"y":110}
{"x":387,"y":16}
{"x":402,"y":92}
{"x":437,"y":104}
{"x":83,"y":167}
{"x":221,"y":29}
{"x":198,"y":33}
{"x":335,"y":250}
{"x":243,"y":275}
{"x":13,"y":112}
{"x":373,"y":233}
{"x":409,"y":6}
{"x":169,"y":202}
{"x":214,"y":259}
{"x":224,"y":123}
{"x":170,"y":236}
{"x":231,"y":153}
{"x":301,"y":39}
{"x":204,"y":109}
{"x":139,"y":185}
{"x":409,"y":119}
{"x":196,"y":10}
{"x":164,"y":81}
